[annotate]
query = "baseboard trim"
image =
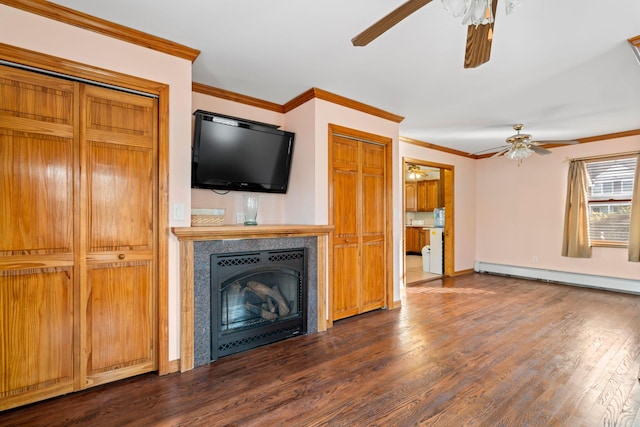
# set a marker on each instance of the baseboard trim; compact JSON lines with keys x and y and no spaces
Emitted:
{"x":174,"y":366}
{"x":462,"y":272}
{"x":564,"y":277}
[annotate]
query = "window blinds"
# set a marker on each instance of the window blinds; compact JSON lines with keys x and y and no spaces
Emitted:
{"x":610,"y":186}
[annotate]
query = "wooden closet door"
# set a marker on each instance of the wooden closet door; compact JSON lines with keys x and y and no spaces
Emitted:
{"x":359,"y":217}
{"x":38,"y":276}
{"x":118,"y":249}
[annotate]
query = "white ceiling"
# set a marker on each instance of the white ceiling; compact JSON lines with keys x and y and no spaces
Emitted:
{"x":564,"y":68}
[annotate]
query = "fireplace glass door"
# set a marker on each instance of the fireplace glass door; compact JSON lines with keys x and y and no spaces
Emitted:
{"x":257,"y":298}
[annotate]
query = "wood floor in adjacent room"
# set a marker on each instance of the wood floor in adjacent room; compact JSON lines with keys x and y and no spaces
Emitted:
{"x":477,"y":350}
{"x":414,"y":271}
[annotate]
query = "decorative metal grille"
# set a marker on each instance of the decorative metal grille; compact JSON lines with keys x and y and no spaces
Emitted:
{"x":227,"y":262}
{"x":257,"y":298}
{"x":287,"y":256}
{"x":254,"y":341}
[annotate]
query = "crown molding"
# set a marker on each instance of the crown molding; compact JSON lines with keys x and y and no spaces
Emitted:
{"x":236,"y":97}
{"x":604,"y":137}
{"x":437,"y":147}
{"x":102,"y":26}
{"x":295,"y":102}
{"x":339,"y":100}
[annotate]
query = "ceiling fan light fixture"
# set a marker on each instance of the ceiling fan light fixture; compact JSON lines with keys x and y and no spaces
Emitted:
{"x":511,"y":5}
{"x":456,"y":7}
{"x":519,"y":152}
{"x":415,"y":172}
{"x":476,"y":12}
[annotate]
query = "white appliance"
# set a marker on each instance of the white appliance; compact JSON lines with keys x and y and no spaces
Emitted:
{"x":437,"y":250}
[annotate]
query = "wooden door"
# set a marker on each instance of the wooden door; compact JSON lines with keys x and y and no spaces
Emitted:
{"x":119,"y":209}
{"x":359,"y":200}
{"x":78,"y":236}
{"x":38,"y":275}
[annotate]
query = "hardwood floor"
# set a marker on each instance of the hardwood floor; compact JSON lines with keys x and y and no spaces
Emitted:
{"x":476,"y":350}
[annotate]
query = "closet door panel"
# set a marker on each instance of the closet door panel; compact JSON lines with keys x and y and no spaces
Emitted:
{"x":120,"y":200}
{"x":119,"y":152}
{"x":121,"y":300}
{"x":36,"y":187}
{"x":373,"y":253}
{"x":346,"y":279}
{"x":36,"y":320}
{"x":36,"y":163}
{"x":345,"y":240}
{"x":38,"y":278}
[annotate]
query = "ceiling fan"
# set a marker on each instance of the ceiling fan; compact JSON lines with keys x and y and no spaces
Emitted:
{"x":521,"y":145}
{"x":414,"y":172}
{"x":480,"y":13}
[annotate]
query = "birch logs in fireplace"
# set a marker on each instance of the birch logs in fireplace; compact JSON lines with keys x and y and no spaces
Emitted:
{"x":257,"y":298}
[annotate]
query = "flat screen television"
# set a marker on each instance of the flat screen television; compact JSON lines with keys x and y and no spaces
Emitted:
{"x":240,"y":155}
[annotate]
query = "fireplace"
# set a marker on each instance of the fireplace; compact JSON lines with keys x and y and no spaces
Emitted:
{"x":197,"y":244}
{"x":257,"y":298}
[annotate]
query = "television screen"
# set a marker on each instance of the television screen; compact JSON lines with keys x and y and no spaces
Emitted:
{"x":236,"y":154}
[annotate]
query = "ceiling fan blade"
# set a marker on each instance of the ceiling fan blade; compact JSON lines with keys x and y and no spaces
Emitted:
{"x":556,"y":142}
{"x":377,"y":29}
{"x":500,"y":152}
{"x":539,"y":150}
{"x":490,"y":149}
{"x":478,"y":49}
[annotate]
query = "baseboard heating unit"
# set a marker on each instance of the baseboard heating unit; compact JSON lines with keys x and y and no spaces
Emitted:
{"x":563,"y":277}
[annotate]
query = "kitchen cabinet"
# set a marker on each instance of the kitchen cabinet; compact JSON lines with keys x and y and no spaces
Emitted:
{"x":428,"y":195}
{"x":410,"y":197}
{"x":415,"y":239}
{"x":424,"y":238}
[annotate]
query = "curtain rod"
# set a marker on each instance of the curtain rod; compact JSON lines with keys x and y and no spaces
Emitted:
{"x":604,"y":156}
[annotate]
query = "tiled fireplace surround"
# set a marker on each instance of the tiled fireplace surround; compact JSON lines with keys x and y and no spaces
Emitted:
{"x":196,"y":246}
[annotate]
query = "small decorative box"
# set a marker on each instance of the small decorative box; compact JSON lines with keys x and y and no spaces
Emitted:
{"x":207,"y":217}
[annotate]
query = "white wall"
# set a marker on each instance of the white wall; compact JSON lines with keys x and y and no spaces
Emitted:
{"x":33,"y":32}
{"x":520,"y":212}
{"x":300,"y":205}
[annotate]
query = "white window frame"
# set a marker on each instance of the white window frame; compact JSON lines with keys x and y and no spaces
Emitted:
{"x":613,"y":198}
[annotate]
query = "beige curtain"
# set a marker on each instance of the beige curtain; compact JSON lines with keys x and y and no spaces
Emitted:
{"x":634,"y":228}
{"x":575,"y":242}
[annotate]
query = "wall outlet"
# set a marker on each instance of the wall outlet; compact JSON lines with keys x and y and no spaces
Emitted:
{"x":535,"y":259}
{"x":239,"y":218}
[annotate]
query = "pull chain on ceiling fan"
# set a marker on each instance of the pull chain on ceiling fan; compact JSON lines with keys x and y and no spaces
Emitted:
{"x":479,"y":15}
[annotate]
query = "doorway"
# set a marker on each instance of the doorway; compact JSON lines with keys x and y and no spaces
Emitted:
{"x":428,"y":186}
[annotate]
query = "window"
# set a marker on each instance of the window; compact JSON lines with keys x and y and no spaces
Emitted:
{"x":610,"y":188}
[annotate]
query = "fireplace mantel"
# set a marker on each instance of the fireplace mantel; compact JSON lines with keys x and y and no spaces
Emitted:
{"x":188,"y":235}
